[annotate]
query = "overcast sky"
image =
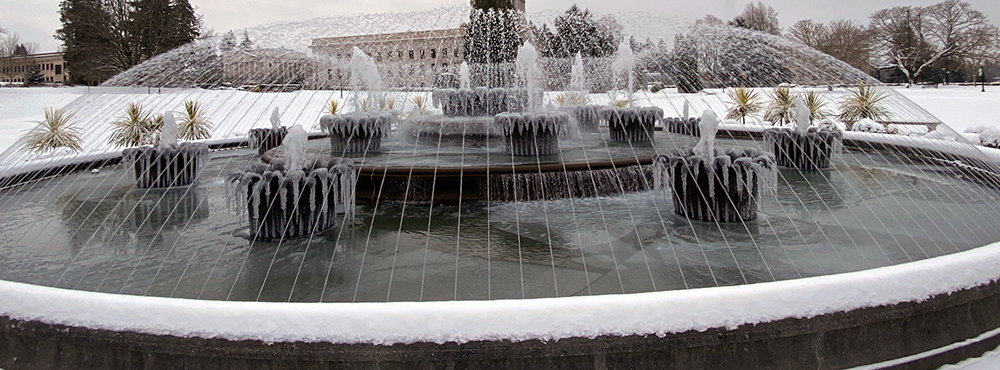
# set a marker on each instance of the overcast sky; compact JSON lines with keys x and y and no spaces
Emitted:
{"x":37,"y":20}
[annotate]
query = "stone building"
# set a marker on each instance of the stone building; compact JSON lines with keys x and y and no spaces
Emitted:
{"x":51,"y":66}
{"x":267,"y":69}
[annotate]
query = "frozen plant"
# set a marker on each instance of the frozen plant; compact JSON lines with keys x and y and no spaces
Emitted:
{"x":55,"y":131}
{"x":333,"y":107}
{"x":782,"y":107}
{"x":744,"y":102}
{"x":419,"y":105}
{"x":135,"y":128}
{"x":865,"y":102}
{"x":386,"y":103}
{"x":571,"y":98}
{"x":620,"y":103}
{"x":816,"y":105}
{"x":194,"y":124}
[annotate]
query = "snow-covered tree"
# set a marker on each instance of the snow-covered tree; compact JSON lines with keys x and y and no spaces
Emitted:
{"x":246,"y":44}
{"x":758,"y":17}
{"x":228,"y":42}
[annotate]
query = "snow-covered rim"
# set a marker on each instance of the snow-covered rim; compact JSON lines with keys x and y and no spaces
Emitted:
{"x":516,"y":320}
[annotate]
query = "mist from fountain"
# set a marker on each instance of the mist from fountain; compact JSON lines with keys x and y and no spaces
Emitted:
{"x":364,"y":77}
{"x":623,"y":68}
{"x":168,"y":136}
{"x":465,"y":80}
{"x":709,"y":125}
{"x":531,"y":76}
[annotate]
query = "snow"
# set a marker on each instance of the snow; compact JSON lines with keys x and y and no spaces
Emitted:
{"x":516,"y":320}
{"x":988,"y":361}
{"x":960,"y":107}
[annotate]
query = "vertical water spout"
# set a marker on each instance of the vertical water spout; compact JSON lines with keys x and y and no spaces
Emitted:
{"x":578,"y":81}
{"x":527,"y":69}
{"x":465,"y":80}
{"x":275,"y":119}
{"x":295,"y":148}
{"x":624,"y":63}
{"x":802,"y":116}
{"x":168,"y":136}
{"x":706,"y":145}
{"x":687,"y":110}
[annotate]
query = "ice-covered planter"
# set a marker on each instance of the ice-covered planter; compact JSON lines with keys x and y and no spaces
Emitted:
{"x":532,"y":134}
{"x":293,"y":197}
{"x":712,"y":185}
{"x":805,"y":147}
{"x":682,"y":126}
{"x":264,"y":139}
{"x":809,"y":151}
{"x":587,"y":117}
{"x":357,"y":132}
{"x":990,"y":137}
{"x":632,"y":124}
{"x":479,"y":102}
{"x":168,"y":163}
{"x":453,"y":130}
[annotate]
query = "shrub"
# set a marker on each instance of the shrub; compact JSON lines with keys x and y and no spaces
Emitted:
{"x":745,"y":102}
{"x":817,"y":107}
{"x":57,"y":131}
{"x":135,"y":128}
{"x":194,"y":125}
{"x":864,"y":102}
{"x":782,"y":107}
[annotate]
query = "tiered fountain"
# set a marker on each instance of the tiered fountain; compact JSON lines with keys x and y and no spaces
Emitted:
{"x":711,"y":185}
{"x":168,"y":163}
{"x":587,"y":117}
{"x":264,"y":139}
{"x":806,"y":147}
{"x":362,"y":130}
{"x":630,"y":124}
{"x":294,"y":195}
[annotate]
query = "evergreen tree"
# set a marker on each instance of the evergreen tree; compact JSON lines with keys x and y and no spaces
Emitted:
{"x":686,"y":65}
{"x":494,"y":36}
{"x":578,"y":31}
{"x":228,"y":42}
{"x":246,"y":44}
{"x":33,"y":76}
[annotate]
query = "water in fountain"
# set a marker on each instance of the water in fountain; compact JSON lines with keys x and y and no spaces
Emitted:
{"x":168,"y":135}
{"x":587,"y":117}
{"x":532,"y":134}
{"x":465,"y":80}
{"x":530,"y":75}
{"x":623,"y":68}
{"x":364,"y":77}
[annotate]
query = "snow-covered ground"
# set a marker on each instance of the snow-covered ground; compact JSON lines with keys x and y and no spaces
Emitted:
{"x":20,"y":107}
{"x":959,"y":107}
{"x":988,"y":361}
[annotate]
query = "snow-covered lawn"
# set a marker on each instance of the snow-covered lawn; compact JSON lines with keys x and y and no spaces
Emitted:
{"x":20,"y":107}
{"x":959,"y":107}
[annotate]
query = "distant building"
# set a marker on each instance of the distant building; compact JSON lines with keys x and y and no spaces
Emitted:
{"x":267,"y":69}
{"x":51,"y":65}
{"x":516,"y":4}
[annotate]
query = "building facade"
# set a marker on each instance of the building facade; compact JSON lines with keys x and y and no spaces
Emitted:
{"x":51,"y":65}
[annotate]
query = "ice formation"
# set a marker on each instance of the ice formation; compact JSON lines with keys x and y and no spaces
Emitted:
{"x":532,"y":134}
{"x":465,"y":80}
{"x":275,"y":119}
{"x":683,"y":126}
{"x":725,"y":187}
{"x":867,"y":125}
{"x":632,"y":124}
{"x":295,"y":148}
{"x":708,"y":126}
{"x":459,"y":131}
{"x":168,"y":136}
{"x":990,"y":137}
{"x":481,"y":101}
{"x":526,"y":65}
{"x":806,"y":151}
{"x":166,"y":166}
{"x":623,"y":65}
{"x":286,"y":203}
{"x":357,"y":132}
{"x":802,"y":116}
{"x":578,"y":79}
{"x":587,"y":117}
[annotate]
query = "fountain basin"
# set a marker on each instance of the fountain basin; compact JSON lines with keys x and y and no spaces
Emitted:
{"x":480,"y":102}
{"x":264,"y":139}
{"x":532,"y":134}
{"x":587,"y":117}
{"x":726,"y":188}
{"x":357,"y":132}
{"x":451,"y":131}
{"x":632,"y":124}
{"x":282,"y":204}
{"x":809,"y":151}
{"x":163,"y":167}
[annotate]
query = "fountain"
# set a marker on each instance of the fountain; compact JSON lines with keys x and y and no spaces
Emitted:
{"x":587,"y":117}
{"x":264,"y":139}
{"x":711,"y":185}
{"x":532,"y":134}
{"x":806,"y":147}
{"x":362,"y":130}
{"x":632,"y":125}
{"x":685,"y":125}
{"x":296,"y":196}
{"x":167,"y":164}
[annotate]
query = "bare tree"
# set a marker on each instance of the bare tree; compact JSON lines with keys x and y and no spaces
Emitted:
{"x":850,"y":42}
{"x":915,"y":38}
{"x":808,"y":32}
{"x":758,"y":17}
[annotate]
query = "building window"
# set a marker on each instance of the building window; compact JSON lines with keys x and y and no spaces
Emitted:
{"x":421,"y":53}
{"x":401,"y":54}
{"x":58,"y":69}
{"x":434,"y":54}
{"x":411,"y":54}
{"x":456,"y":53}
{"x":444,"y":52}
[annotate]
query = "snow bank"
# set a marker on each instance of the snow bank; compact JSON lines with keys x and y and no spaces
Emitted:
{"x":516,"y":320}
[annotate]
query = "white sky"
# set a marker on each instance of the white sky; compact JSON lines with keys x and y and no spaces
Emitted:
{"x":37,"y":20}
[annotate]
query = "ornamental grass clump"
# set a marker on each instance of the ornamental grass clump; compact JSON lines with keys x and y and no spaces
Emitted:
{"x":135,"y":128}
{"x":56,"y":131}
{"x":817,"y":107}
{"x":333,"y":107}
{"x":745,"y":101}
{"x":194,"y":124}
{"x":571,"y":98}
{"x":864,"y":102}
{"x":782,"y":107}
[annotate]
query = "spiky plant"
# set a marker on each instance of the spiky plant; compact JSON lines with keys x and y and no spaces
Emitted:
{"x":816,"y":105}
{"x":365,"y":106}
{"x":333,"y":107}
{"x":57,"y":131}
{"x":135,"y":128}
{"x":864,"y":102}
{"x":194,"y":125}
{"x":620,"y":103}
{"x":386,"y":103}
{"x":745,"y":101}
{"x":420,"y":102}
{"x":782,"y":107}
{"x":571,"y":98}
